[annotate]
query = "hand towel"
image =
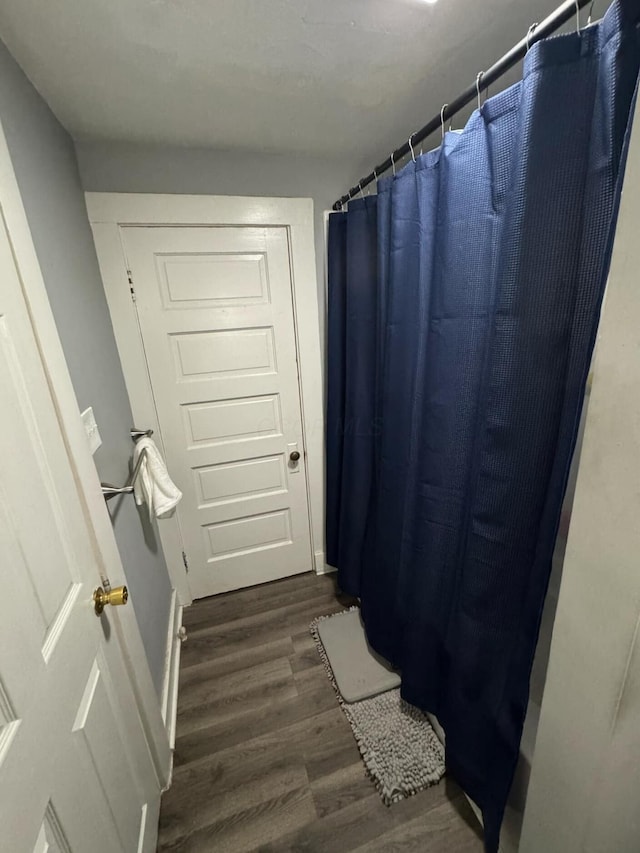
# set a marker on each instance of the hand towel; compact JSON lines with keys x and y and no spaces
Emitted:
{"x":153,"y":484}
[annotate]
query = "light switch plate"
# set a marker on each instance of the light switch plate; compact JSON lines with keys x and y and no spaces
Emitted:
{"x":91,"y":429}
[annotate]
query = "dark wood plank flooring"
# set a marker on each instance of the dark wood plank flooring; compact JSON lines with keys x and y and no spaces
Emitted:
{"x":265,"y":759}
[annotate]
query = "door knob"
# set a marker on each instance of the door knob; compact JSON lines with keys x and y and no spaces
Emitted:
{"x":294,"y":456}
{"x":115,"y":597}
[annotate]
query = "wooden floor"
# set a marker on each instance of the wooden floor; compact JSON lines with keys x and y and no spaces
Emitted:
{"x":265,"y":759}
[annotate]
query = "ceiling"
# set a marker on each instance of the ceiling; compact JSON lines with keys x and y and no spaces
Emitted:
{"x":333,"y":78}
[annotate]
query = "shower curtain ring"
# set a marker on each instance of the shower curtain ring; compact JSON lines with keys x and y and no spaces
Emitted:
{"x":530,"y":32}
{"x":413,"y":156}
{"x":393,"y":164}
{"x":360,"y":188}
{"x":590,"y":12}
{"x":478,"y":81}
{"x":444,"y":106}
{"x":577,"y":16}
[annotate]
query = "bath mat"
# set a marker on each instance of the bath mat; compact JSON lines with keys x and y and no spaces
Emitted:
{"x":400,"y":750}
{"x":358,"y":671}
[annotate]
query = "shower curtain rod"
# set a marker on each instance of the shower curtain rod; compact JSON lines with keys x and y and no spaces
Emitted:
{"x":564,"y":12}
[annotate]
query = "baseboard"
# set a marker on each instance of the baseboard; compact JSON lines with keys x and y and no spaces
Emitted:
{"x":435,"y":725}
{"x":171,"y":673}
{"x":322,"y":568}
{"x":148,"y":842}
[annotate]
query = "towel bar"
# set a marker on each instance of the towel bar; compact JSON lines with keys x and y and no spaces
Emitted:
{"x":139,"y":433}
{"x":108,"y":490}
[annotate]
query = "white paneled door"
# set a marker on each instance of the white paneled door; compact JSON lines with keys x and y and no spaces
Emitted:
{"x":75,"y":771}
{"x":215,"y":312}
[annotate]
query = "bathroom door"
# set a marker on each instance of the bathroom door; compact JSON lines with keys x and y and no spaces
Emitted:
{"x":215,"y":312}
{"x":75,"y":769}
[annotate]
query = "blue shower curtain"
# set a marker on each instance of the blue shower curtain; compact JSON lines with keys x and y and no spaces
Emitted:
{"x":463,"y":305}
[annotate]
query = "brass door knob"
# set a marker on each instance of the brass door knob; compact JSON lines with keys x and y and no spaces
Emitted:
{"x":294,"y":455}
{"x":115,"y":597}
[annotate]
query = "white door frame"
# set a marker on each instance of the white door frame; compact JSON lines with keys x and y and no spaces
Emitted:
{"x":96,"y":514}
{"x":108,"y":212}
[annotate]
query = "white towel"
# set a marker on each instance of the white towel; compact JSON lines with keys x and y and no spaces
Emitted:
{"x":153,"y":484}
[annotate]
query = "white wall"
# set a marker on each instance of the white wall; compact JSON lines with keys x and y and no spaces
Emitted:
{"x":46,"y":169}
{"x":133,"y":168}
{"x":583,"y":795}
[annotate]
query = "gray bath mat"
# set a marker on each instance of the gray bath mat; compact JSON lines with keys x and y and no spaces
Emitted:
{"x":398,"y":745}
{"x":359,"y":672}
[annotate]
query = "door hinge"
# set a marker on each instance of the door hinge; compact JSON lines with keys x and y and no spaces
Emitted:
{"x":185,"y":561}
{"x":130,"y":280}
